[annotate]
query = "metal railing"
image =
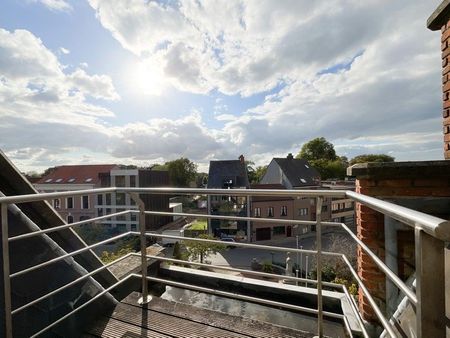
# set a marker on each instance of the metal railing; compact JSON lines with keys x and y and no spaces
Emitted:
{"x":430,"y":234}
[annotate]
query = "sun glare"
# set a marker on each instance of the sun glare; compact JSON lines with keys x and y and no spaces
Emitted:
{"x":148,"y":79}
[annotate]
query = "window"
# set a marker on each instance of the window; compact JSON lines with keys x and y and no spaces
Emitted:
{"x":303,"y":212}
{"x":108,"y":199}
{"x":84,"y":202}
{"x":71,"y":180}
{"x":133,"y":217}
{"x":133,"y":227}
{"x":100,"y":212}
{"x":87,"y":180}
{"x":281,"y":230}
{"x":132,"y":181}
{"x":257,"y":212}
{"x":69,"y":219}
{"x":283,"y":211}
{"x":99,"y":199}
{"x":57,"y":203}
{"x":335,"y":206}
{"x":120,"y":181}
{"x":59,"y":180}
{"x":270,"y":212}
{"x":48,"y":180}
{"x":324,"y":208}
{"x":120,"y":198}
{"x":302,"y":180}
{"x":69,"y":202}
{"x":84,"y":218}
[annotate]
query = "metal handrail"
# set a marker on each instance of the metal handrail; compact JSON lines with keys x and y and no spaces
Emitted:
{"x":436,"y":227}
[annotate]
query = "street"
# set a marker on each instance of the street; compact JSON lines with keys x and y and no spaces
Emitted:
{"x":242,"y":257}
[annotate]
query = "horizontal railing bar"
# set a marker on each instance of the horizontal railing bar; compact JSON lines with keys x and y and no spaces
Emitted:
{"x":374,"y":305}
{"x":434,"y":226}
{"x":97,"y":296}
{"x":70,"y":254}
{"x":238,"y":296}
{"x":355,"y":312}
{"x":238,"y":244}
{"x":65,"y":226}
{"x":237,"y":218}
{"x":93,"y":272}
{"x":391,"y":275}
{"x":180,"y":191}
{"x":49,"y":195}
{"x":249,"y":272}
{"x":237,"y":192}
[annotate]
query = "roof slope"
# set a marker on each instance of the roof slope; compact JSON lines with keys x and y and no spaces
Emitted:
{"x":31,"y":251}
{"x":298,"y":171}
{"x":269,"y":198}
{"x":76,"y":174}
{"x":234,"y":170}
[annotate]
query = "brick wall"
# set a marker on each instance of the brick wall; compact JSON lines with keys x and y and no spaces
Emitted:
{"x":400,"y":181}
{"x":445,"y":48}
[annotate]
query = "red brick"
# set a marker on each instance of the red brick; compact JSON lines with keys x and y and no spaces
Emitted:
{"x":444,"y":62}
{"x":394,"y":183}
{"x":446,"y":69}
{"x":446,"y":113}
{"x":445,"y":52}
{"x":444,"y":45}
{"x":429,"y":183}
{"x":366,"y":183}
{"x":445,"y":35}
{"x":445,"y":77}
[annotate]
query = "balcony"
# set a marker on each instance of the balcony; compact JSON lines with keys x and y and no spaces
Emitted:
{"x":179,"y":301}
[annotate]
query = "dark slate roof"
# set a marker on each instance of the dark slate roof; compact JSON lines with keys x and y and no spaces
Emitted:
{"x":31,"y":251}
{"x":298,"y":171}
{"x":220,"y":171}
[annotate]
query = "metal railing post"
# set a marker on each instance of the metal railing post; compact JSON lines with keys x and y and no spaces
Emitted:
{"x":6,"y":272}
{"x":319,"y":201}
{"x":143,"y":240}
{"x":430,"y":286}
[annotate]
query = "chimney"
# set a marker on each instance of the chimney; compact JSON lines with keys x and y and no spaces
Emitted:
{"x":242,"y":159}
{"x":440,"y":20}
{"x":290,"y":156}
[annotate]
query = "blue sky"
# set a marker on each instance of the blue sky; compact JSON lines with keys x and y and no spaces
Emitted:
{"x":144,"y":82}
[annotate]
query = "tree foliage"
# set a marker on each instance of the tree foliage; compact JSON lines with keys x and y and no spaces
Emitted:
{"x":181,"y":171}
{"x":318,"y":149}
{"x":371,"y":158}
{"x":200,"y":251}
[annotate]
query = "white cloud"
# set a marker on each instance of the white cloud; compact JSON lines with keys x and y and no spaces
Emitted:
{"x":55,"y":5}
{"x":64,"y":50}
{"x":97,"y":86}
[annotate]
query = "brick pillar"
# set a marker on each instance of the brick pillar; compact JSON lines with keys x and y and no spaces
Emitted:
{"x":370,"y":229}
{"x":440,"y":20}
{"x":423,"y":186}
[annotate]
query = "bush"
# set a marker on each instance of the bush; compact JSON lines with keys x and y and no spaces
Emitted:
{"x":267,"y":267}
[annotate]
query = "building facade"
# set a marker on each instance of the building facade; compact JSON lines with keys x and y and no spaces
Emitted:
{"x":229,"y":174}
{"x":84,"y":177}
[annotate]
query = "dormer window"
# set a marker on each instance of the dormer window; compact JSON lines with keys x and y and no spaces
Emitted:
{"x":302,"y":180}
{"x":59,"y":180}
{"x":48,"y":180}
{"x":71,"y":180}
{"x":88,"y":180}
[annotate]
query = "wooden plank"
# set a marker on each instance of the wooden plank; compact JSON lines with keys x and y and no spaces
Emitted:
{"x":244,"y":326}
{"x":171,"y":325}
{"x":111,"y":328}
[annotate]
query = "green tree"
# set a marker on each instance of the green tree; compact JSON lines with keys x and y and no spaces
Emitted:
{"x":181,"y":171}
{"x":199,"y":250}
{"x":321,"y":155}
{"x":318,"y":149}
{"x":371,"y":158}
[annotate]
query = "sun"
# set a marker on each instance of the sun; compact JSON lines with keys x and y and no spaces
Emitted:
{"x":147,"y":78}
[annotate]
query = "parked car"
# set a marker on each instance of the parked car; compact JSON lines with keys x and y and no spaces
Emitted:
{"x":228,"y":239}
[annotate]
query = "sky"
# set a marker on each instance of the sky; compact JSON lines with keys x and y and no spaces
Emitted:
{"x":144,"y":82}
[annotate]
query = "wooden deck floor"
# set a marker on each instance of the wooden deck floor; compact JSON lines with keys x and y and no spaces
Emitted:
{"x":162,"y":319}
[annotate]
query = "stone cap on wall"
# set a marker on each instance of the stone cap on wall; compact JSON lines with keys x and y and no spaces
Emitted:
{"x":440,"y":16}
{"x":393,"y":170}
